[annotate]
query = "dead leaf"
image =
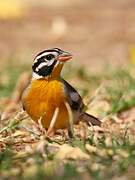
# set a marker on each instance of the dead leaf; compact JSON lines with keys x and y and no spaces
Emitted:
{"x":68,"y":152}
{"x":90,"y":149}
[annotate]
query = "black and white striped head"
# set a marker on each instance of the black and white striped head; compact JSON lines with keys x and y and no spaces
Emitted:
{"x":49,"y":60}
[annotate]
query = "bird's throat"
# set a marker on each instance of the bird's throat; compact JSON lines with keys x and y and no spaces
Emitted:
{"x":57,"y":70}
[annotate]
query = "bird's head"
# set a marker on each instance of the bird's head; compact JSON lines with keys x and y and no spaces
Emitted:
{"x":49,"y":63}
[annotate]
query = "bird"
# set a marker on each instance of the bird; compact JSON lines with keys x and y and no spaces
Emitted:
{"x":48,"y":93}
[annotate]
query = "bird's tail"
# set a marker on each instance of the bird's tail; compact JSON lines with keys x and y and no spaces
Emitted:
{"x":89,"y":119}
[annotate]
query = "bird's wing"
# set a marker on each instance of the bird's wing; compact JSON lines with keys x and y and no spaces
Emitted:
{"x":73,"y":97}
{"x":76,"y":104}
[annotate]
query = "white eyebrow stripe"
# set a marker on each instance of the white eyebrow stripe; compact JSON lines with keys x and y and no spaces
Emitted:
{"x":49,"y":63}
{"x":44,"y":54}
{"x":41,"y":65}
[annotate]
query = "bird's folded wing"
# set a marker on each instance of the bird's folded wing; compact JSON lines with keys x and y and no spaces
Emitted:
{"x":73,"y":97}
{"x":76,"y":103}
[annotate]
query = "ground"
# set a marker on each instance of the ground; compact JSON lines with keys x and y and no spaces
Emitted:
{"x":105,"y":152}
{"x":101,"y":37}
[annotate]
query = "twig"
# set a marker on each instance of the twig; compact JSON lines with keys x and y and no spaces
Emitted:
{"x":14,"y":122}
{"x":70,"y":119}
{"x":40,"y":126}
{"x":53,"y":120}
{"x":31,"y":131}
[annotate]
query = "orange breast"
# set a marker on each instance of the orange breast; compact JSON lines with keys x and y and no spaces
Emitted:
{"x":41,"y":99}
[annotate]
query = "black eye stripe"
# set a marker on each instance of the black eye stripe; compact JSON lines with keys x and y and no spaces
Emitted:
{"x":49,"y":56}
{"x":46,"y":70}
{"x":42,"y":59}
{"x":45,"y":61}
{"x":39,"y":61}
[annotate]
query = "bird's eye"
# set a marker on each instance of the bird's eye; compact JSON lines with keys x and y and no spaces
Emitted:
{"x":49,"y":56}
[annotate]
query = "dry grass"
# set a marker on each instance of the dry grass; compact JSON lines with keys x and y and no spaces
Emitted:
{"x":26,"y":152}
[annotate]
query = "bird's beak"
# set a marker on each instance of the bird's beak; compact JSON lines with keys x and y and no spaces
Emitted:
{"x":64,"y":56}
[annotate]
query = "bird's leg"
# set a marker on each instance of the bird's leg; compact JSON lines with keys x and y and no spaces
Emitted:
{"x":71,"y":127}
{"x":50,"y":131}
{"x":40,"y":127}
